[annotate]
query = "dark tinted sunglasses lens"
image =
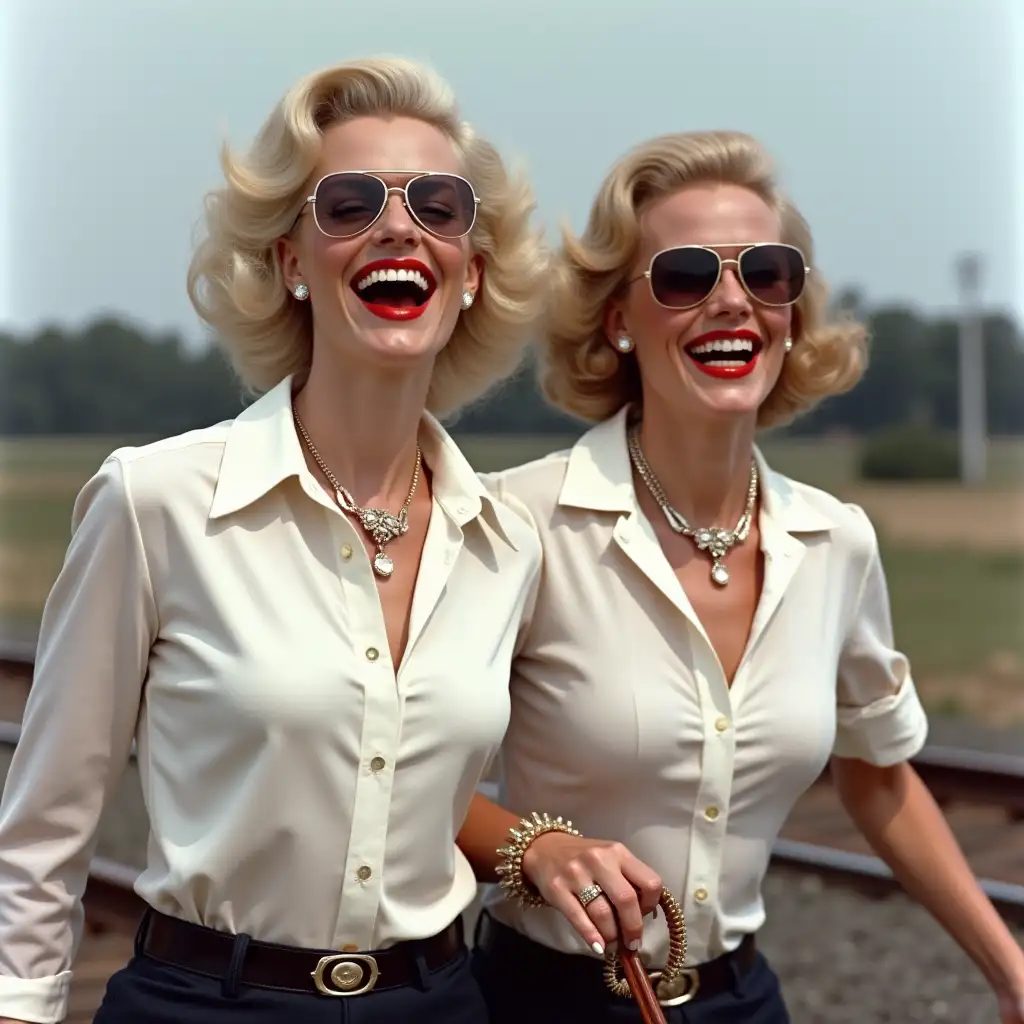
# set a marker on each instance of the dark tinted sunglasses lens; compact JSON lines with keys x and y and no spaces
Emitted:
{"x":443,"y":204}
{"x":683,"y":277}
{"x":773,"y":274}
{"x":348,"y":203}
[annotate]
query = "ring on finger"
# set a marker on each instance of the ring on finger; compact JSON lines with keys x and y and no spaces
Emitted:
{"x":589,"y":893}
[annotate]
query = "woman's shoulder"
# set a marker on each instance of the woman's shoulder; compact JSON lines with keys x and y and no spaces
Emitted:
{"x":532,"y":488}
{"x":849,"y":526}
{"x":176,"y":466}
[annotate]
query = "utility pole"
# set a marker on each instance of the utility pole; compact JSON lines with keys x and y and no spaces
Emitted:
{"x":973,"y":416}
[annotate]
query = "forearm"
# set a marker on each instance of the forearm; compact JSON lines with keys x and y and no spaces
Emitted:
{"x":483,"y":832}
{"x":897,"y":815}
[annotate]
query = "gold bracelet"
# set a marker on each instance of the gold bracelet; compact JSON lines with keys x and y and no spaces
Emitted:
{"x":510,"y":871}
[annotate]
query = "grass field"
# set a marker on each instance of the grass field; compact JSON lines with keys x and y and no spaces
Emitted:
{"x":954,"y":558}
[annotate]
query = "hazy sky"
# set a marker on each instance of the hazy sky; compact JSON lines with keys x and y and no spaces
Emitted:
{"x":898,"y":125}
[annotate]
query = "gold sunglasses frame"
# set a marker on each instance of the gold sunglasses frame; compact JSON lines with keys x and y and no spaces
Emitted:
{"x":744,"y":249}
{"x":403,"y":191}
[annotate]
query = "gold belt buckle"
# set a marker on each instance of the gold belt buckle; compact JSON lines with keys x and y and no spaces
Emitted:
{"x":352,"y":974}
{"x":678,"y":990}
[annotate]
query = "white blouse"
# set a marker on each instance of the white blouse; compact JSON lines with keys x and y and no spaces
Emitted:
{"x":622,"y":719}
{"x":218,"y":608}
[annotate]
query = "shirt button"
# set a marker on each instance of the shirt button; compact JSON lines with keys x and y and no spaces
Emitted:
{"x":700,"y":895}
{"x":711,"y":813}
{"x":721,"y":724}
{"x":378,"y":764}
{"x":372,"y":654}
{"x":346,"y":551}
{"x":364,"y":873}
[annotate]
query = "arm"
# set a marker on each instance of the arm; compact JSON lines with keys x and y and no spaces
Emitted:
{"x":560,"y":865}
{"x":76,"y":738}
{"x":880,"y":726}
{"x":898,"y":817}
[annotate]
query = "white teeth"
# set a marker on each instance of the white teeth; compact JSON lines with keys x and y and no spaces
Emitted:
{"x":729,"y":364}
{"x":393,"y":275}
{"x":724,"y":345}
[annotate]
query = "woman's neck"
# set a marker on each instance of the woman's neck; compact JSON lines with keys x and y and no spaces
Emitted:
{"x":365,"y":426}
{"x":702,"y":465}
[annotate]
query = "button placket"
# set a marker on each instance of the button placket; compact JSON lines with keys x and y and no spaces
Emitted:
{"x":364,"y":866}
{"x":710,"y":811}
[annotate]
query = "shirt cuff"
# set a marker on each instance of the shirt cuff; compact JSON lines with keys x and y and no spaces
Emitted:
{"x":887,"y":732}
{"x":39,"y":1000}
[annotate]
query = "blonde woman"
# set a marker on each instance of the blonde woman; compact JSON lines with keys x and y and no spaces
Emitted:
{"x":285,"y":610}
{"x":707,"y":634}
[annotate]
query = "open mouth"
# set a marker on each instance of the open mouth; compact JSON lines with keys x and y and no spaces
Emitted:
{"x":725,"y":355}
{"x":395,"y":289}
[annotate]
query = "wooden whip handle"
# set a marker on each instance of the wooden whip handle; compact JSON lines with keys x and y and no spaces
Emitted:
{"x":641,"y":988}
{"x":636,"y":982}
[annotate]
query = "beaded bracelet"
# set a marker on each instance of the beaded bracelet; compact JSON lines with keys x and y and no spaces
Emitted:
{"x":510,"y":871}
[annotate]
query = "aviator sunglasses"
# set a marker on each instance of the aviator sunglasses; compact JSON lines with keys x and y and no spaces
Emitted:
{"x":346,"y":203}
{"x":684,"y":276}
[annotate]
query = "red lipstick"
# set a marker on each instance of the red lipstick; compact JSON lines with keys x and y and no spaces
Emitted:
{"x":725,"y":355}
{"x":394,"y":289}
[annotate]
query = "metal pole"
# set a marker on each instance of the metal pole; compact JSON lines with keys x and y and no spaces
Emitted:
{"x":973,"y":417}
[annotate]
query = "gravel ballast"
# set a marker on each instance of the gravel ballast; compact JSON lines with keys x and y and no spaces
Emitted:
{"x":844,"y":958}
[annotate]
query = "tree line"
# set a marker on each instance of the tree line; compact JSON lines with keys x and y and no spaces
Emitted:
{"x":115,"y":378}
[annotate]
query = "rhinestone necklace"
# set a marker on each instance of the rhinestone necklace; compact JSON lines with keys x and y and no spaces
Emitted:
{"x":379,"y":523}
{"x":713,"y":539}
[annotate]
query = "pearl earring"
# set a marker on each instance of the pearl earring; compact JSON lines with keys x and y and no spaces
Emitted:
{"x":301,"y":292}
{"x":624,"y":344}
{"x":788,"y":345}
{"x":467,"y":299}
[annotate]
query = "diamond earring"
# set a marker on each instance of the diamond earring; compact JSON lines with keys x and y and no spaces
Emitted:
{"x":301,"y":292}
{"x":467,"y":299}
{"x":788,"y":345}
{"x":624,"y":344}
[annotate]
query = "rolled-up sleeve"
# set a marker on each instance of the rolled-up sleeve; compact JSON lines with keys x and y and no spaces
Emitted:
{"x":94,"y":642}
{"x":879,"y":715}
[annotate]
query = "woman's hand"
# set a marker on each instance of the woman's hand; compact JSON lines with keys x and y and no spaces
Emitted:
{"x":561,"y":865}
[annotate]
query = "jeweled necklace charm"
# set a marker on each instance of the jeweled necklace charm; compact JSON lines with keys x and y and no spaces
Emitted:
{"x":715,"y":540}
{"x":379,"y":523}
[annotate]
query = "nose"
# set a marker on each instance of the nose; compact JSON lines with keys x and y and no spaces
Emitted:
{"x":729,"y":297}
{"x":395,"y":226}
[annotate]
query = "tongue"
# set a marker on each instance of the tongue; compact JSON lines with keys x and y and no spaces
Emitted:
{"x":393,"y":301}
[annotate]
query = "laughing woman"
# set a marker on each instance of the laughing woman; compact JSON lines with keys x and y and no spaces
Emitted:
{"x":707,"y":634}
{"x":284,"y":610}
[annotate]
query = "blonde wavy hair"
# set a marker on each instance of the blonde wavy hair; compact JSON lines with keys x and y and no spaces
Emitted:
{"x":583,"y":375}
{"x":235,"y":280}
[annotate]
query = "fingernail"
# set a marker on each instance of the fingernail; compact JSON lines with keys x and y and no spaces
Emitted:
{"x":635,"y":945}
{"x":597,"y":948}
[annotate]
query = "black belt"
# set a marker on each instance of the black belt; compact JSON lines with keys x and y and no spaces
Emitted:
{"x":544,"y":965}
{"x":290,"y":969}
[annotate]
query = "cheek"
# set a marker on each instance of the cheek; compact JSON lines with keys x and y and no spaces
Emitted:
{"x":334,"y":258}
{"x":453,"y":261}
{"x":777,"y":323}
{"x":655,"y":324}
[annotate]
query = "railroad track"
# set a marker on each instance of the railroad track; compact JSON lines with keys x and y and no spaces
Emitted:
{"x":982,"y":793}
